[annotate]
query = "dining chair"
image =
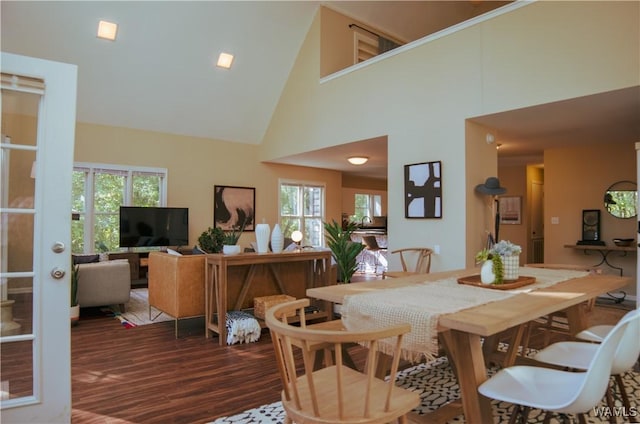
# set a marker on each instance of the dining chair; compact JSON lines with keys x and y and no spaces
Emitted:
{"x":335,"y":393}
{"x":555,"y":390}
{"x":420,"y":256}
{"x":578,"y":354}
{"x":371,"y":245}
{"x":555,"y":322}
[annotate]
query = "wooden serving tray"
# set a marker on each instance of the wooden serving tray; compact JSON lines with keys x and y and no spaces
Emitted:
{"x":474,"y":280}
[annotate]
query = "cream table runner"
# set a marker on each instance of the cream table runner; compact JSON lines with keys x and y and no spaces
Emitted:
{"x":421,"y":305}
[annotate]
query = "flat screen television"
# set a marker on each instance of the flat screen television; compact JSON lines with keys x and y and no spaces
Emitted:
{"x":153,"y":227}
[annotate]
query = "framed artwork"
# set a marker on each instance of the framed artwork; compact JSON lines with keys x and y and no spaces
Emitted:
{"x":423,"y":190}
{"x":233,"y":206}
{"x":591,"y":225}
{"x":510,"y":209}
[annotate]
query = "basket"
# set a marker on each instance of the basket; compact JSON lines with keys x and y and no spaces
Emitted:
{"x":261,"y":304}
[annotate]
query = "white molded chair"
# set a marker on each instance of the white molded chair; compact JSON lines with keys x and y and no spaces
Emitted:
{"x":555,"y":390}
{"x":578,"y":355}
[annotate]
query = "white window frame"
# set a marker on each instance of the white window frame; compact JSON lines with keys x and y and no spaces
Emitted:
{"x":302,"y":184}
{"x":89,"y":193}
{"x":374,"y":204}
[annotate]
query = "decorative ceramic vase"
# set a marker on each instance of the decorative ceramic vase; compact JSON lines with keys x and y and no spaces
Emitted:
{"x":262,"y":238}
{"x":511,"y":266}
{"x":277,"y":239}
{"x":486,"y":272}
{"x":230,"y":249}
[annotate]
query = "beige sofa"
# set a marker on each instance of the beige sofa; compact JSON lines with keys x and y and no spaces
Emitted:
{"x":104,"y":283}
{"x":176,"y":284}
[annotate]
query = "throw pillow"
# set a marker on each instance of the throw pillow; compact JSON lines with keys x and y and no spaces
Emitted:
{"x":85,"y":259}
{"x":173,"y":252}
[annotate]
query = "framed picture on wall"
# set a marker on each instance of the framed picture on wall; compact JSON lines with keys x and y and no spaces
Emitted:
{"x":233,"y":206}
{"x":510,"y":208}
{"x":423,"y":190}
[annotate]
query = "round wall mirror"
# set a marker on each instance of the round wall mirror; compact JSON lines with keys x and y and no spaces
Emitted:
{"x":620,"y":200}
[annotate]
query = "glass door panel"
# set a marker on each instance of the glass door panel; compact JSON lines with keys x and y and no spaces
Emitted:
{"x":17,"y":193}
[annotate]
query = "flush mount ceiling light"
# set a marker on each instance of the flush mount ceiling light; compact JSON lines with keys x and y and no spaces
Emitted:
{"x":107,"y":30}
{"x":225,"y":60}
{"x":358,"y":160}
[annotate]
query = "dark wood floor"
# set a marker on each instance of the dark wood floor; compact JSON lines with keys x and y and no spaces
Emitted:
{"x":146,"y":375}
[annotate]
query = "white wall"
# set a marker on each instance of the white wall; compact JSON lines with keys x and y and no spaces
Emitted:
{"x":420,"y":98}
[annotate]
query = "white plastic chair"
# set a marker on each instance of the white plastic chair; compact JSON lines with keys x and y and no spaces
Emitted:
{"x":555,"y":390}
{"x":578,"y":355}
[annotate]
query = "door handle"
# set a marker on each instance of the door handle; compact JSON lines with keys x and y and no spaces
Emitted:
{"x":57,"y":273}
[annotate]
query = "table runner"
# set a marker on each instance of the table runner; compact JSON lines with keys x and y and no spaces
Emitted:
{"x":422,"y":304}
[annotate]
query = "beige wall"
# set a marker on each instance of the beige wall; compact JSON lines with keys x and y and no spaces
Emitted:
{"x":514,"y":179}
{"x":577,"y":179}
{"x":422,"y":97}
{"x":195,"y":165}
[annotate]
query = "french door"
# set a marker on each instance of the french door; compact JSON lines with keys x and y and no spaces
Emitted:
{"x":36,"y":154}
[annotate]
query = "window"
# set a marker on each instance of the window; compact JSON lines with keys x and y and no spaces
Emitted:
{"x":367,"y":205}
{"x":98,"y":191}
{"x":302,"y":208}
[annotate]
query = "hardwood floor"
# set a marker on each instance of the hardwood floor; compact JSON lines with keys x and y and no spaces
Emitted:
{"x":146,"y":375}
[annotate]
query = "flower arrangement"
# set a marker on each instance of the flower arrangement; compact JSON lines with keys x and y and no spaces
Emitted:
{"x":496,"y":255}
{"x":505,"y":248}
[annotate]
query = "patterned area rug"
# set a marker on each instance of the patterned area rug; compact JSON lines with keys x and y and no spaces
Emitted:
{"x":438,"y":386}
{"x":137,"y":311}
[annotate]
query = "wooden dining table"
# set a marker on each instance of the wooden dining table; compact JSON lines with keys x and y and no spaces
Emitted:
{"x":464,"y":330}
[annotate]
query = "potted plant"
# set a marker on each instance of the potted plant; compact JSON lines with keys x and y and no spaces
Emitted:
{"x":75,"y":308}
{"x":500,"y":263}
{"x":230,"y":240}
{"x":343,"y":250}
{"x":212,"y":240}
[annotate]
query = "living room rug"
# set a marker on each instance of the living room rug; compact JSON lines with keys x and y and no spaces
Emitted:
{"x":137,"y":310}
{"x":437,"y":385}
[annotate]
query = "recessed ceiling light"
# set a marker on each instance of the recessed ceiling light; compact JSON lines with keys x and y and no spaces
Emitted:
{"x":225,"y":60}
{"x":107,"y":30}
{"x":358,"y":160}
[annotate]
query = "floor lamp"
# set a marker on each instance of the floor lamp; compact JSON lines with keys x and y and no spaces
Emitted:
{"x":491,"y":187}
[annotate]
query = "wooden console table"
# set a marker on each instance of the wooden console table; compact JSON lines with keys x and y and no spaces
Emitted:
{"x":604,"y":251}
{"x":235,"y":280}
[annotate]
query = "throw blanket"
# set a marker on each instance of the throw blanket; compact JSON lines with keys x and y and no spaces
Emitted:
{"x":422,"y":304}
{"x":242,"y":327}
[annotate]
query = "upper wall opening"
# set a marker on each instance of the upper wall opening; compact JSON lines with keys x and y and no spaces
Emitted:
{"x":383,"y":25}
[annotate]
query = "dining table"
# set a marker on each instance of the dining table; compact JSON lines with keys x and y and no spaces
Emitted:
{"x":462,"y":331}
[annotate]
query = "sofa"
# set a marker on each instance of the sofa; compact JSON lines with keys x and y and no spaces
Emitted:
{"x":104,"y":283}
{"x":176,"y":284}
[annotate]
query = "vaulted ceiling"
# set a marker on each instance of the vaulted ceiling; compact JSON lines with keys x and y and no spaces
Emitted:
{"x":160,"y":73}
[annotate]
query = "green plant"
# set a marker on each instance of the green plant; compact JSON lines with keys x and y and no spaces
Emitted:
{"x":231,"y":237}
{"x":75,"y":270}
{"x":211,"y":240}
{"x":343,"y":250}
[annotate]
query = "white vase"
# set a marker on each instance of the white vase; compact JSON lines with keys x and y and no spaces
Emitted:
{"x":486,"y":273}
{"x":511,"y":266}
{"x":277,"y":239}
{"x":262,"y":238}
{"x":74,"y":314}
{"x":230,"y":249}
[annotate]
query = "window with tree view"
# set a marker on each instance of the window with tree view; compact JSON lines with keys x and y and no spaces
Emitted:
{"x":367,"y":206}
{"x":302,"y":208}
{"x":98,"y":191}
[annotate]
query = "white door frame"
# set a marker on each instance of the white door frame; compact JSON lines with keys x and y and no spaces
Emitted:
{"x":51,"y":338}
